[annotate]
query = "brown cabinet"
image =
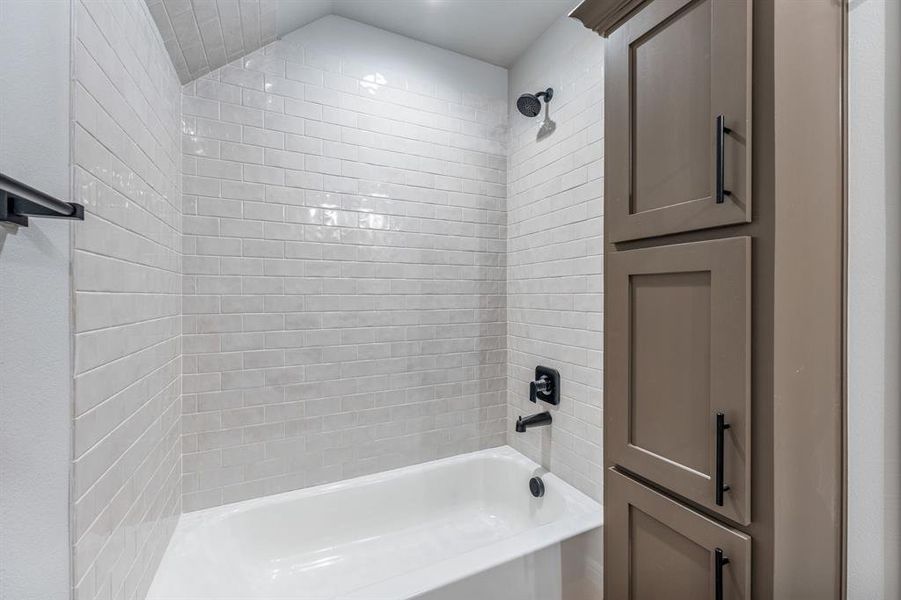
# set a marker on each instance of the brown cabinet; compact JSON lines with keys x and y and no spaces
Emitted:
{"x":683,"y":322}
{"x":678,"y":369}
{"x":672,"y":70}
{"x":656,"y":548}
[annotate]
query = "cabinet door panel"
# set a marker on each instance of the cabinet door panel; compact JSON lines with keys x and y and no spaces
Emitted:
{"x":671,"y":70}
{"x":678,"y":353}
{"x":657,"y":548}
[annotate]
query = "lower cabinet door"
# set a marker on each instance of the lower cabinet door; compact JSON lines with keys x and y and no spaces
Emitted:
{"x":655,"y":548}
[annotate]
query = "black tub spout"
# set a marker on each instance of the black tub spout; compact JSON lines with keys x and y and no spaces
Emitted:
{"x":536,"y":420}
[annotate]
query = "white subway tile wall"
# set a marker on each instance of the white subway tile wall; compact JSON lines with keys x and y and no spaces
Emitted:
{"x":205,"y":35}
{"x":127,"y":286}
{"x":344,"y":248}
{"x":554,"y":252}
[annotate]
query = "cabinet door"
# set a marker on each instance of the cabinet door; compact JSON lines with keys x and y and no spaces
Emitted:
{"x":656,"y":548}
{"x":671,"y":70}
{"x":678,"y":353}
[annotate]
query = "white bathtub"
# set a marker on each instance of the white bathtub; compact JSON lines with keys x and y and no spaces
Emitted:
{"x":465,"y":526}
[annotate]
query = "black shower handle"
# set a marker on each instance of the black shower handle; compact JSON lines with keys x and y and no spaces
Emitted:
{"x":542,"y":385}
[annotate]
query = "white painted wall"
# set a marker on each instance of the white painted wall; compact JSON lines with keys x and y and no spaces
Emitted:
{"x":35,"y":371}
{"x":874,"y":500}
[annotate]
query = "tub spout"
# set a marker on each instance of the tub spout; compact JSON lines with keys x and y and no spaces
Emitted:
{"x":536,"y":420}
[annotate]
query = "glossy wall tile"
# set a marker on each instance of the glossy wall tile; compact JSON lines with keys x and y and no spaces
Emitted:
{"x":127,"y":299}
{"x":555,"y":269}
{"x":345,"y":238}
{"x":554,"y":251}
{"x":203,"y":36}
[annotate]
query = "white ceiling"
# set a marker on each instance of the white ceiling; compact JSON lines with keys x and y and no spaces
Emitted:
{"x":496,"y":31}
{"x":203,"y":35}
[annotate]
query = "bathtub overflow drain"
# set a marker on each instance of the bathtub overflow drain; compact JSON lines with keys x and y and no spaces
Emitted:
{"x":536,"y":486}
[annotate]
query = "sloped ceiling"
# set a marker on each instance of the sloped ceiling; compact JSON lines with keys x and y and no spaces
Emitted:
{"x":203,"y":35}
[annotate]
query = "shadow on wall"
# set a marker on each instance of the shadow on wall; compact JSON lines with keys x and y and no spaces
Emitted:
{"x":582,"y":563}
{"x":37,"y":241}
{"x":548,"y":126}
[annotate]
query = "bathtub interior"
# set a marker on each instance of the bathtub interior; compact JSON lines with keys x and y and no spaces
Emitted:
{"x":393,"y":501}
{"x":392,"y":535}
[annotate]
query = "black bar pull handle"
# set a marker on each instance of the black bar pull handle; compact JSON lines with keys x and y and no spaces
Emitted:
{"x":721,"y":131}
{"x":721,"y":427}
{"x":719,"y":561}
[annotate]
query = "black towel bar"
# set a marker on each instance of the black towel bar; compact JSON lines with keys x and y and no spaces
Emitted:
{"x":19,"y":201}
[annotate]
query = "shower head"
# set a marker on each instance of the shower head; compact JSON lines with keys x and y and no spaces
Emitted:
{"x":530,"y":105}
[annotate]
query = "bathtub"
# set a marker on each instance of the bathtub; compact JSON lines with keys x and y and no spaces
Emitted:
{"x":460,"y":527}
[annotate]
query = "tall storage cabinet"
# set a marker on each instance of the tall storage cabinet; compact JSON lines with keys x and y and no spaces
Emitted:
{"x":712,"y":408}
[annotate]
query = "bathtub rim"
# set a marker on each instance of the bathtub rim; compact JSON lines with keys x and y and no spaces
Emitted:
{"x":505,"y":452}
{"x":582,"y":515}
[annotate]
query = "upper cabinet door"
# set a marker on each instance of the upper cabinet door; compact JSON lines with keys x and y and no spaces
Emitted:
{"x":678,"y":119}
{"x":678,"y":362}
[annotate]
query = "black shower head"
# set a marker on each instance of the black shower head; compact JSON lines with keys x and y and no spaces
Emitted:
{"x":530,"y":105}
